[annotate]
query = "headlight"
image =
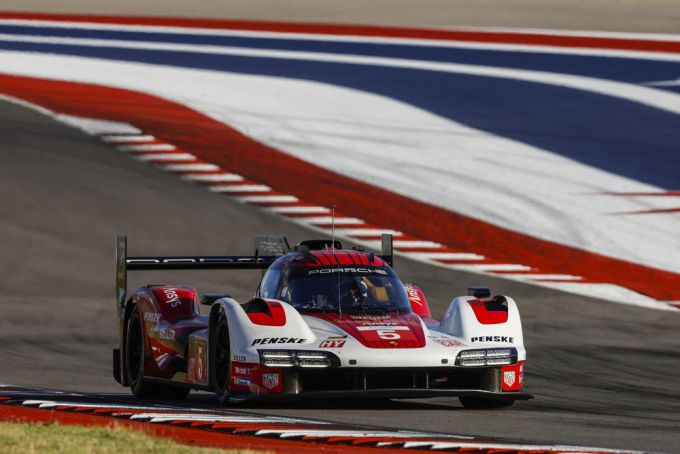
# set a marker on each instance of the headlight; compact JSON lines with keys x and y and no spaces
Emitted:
{"x":487,"y":357}
{"x":274,"y":358}
{"x":498,"y":352}
{"x":288,"y":358}
{"x":467,"y":354}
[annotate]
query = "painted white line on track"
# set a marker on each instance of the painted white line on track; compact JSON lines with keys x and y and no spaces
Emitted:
{"x":128,"y":138}
{"x":177,"y":417}
{"x":166,"y":157}
{"x":549,"y":277}
{"x":366,"y":232}
{"x":330,"y":220}
{"x":212,"y":177}
{"x":288,"y":433}
{"x":147,"y":147}
{"x":446,"y":255}
{"x":268,"y":199}
{"x":240,"y":188}
{"x":191,"y":167}
{"x":497,"y":266}
{"x":53,"y":403}
{"x":415,"y":244}
{"x":299,"y":209}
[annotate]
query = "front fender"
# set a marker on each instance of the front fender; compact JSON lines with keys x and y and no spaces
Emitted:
{"x":246,"y":335}
{"x":484,"y":323}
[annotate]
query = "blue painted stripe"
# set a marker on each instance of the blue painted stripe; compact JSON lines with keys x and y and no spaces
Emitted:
{"x":620,"y":69}
{"x":612,"y":134}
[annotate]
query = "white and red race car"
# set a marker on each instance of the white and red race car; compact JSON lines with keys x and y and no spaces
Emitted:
{"x":325,"y":322}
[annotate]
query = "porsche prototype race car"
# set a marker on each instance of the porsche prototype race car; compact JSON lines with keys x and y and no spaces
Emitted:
{"x":325,"y":322}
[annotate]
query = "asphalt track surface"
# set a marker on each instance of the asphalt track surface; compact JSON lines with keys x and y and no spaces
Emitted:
{"x":603,"y":374}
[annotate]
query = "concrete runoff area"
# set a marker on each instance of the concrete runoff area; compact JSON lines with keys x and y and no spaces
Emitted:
{"x":603,"y":374}
{"x":649,"y":16}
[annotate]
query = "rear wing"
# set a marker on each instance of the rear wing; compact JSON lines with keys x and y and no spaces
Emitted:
{"x":267,"y":249}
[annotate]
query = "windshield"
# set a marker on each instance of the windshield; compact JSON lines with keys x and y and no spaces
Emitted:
{"x":347,"y":291}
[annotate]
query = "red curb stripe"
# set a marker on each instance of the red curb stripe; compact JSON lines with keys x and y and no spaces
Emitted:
{"x":492,"y":37}
{"x":219,"y":144}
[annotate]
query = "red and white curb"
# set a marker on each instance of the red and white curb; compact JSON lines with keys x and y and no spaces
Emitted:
{"x":272,"y":427}
{"x":168,"y":157}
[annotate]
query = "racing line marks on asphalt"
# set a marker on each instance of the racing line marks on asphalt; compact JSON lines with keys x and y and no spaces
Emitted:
{"x":225,"y":427}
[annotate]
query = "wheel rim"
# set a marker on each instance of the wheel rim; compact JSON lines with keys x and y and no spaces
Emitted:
{"x":134,"y":349}
{"x":222,"y":358}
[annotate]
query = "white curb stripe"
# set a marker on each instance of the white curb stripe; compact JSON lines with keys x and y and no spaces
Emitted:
{"x":213,"y":177}
{"x":128,"y":138}
{"x":147,"y":147}
{"x":166,"y":157}
{"x":299,"y":209}
{"x":446,"y":255}
{"x":191,"y":167}
{"x":240,"y":188}
{"x":268,"y":199}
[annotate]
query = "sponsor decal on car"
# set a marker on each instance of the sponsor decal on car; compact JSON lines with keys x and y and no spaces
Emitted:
{"x":270,"y":381}
{"x":167,"y":334}
{"x":242,"y":370}
{"x":413,"y":295}
{"x":507,"y":339}
{"x":238,"y":358}
{"x":377,"y":323}
{"x":369,"y":317}
{"x":242,"y":381}
{"x":509,"y":377}
{"x":347,"y":270}
{"x":152,"y":317}
{"x":171,"y":297}
{"x":277,"y":340}
{"x":333,"y":342}
{"x":447,"y":342}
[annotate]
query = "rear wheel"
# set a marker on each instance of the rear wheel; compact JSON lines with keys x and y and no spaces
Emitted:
{"x":481,"y":403}
{"x":134,"y":365}
{"x":221,"y":366}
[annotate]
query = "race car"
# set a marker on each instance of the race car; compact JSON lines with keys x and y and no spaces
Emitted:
{"x":325,"y":322}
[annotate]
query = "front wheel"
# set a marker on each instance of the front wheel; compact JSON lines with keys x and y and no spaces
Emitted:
{"x":482,"y":403}
{"x":134,"y":365}
{"x":221,"y":357}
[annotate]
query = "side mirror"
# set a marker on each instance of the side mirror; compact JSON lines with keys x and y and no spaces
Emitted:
{"x":209,"y":299}
{"x":479,"y":292}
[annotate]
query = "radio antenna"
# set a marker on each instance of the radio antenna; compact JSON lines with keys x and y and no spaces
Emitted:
{"x":333,"y":228}
{"x":333,"y":249}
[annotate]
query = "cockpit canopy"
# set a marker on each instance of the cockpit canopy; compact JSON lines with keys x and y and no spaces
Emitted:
{"x":335,"y":281}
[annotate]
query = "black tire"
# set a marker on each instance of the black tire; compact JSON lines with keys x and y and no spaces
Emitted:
{"x":481,"y":403}
{"x":134,"y":365}
{"x":221,"y":359}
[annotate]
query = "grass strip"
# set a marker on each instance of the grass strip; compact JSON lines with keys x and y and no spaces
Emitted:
{"x":58,"y":438}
